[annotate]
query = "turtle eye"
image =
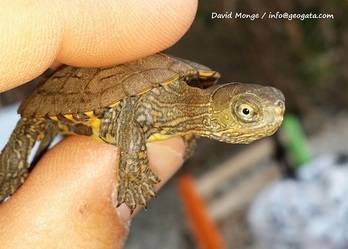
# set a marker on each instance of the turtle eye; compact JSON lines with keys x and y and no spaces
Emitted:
{"x":245,"y":112}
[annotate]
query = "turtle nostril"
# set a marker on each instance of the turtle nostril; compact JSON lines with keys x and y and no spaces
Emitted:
{"x":279,"y":107}
{"x":279,"y":103}
{"x":277,"y":94}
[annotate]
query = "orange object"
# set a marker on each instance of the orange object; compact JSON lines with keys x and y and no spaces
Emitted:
{"x":203,"y":227}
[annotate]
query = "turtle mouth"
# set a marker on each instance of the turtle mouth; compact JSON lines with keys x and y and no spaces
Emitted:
{"x":252,"y":134}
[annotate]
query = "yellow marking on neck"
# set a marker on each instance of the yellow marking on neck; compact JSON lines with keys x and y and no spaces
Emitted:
{"x":158,"y":137}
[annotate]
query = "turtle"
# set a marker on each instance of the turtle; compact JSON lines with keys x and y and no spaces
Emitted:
{"x":131,"y":104}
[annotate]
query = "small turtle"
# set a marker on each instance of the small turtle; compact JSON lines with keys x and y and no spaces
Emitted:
{"x":127,"y":105}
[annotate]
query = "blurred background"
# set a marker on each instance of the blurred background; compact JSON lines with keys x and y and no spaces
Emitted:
{"x":284,"y":192}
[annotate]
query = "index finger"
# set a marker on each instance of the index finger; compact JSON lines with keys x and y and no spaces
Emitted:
{"x":85,"y":33}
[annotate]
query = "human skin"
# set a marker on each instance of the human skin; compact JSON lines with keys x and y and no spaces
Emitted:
{"x":68,"y":199}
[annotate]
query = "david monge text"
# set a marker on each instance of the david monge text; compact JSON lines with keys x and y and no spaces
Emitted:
{"x":235,"y":15}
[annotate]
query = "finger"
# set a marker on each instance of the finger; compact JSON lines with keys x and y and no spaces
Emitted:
{"x":85,"y":33}
{"x":69,"y":195}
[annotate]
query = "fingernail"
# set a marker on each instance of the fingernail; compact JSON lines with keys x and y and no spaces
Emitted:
{"x":122,"y":211}
{"x":124,"y":214}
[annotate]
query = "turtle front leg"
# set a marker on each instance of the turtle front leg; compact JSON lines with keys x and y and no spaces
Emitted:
{"x":135,"y":180}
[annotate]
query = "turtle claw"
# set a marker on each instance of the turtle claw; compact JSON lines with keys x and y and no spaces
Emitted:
{"x":132,"y":208}
{"x":135,"y":192}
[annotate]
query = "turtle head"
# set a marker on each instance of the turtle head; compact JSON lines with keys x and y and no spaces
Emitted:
{"x":242,"y":113}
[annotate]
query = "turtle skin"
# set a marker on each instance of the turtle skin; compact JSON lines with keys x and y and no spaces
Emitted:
{"x":128,"y":105}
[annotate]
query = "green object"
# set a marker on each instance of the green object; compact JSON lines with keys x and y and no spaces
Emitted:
{"x":295,"y":143}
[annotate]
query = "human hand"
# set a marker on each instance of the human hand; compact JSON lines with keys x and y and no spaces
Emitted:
{"x":67,"y":201}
